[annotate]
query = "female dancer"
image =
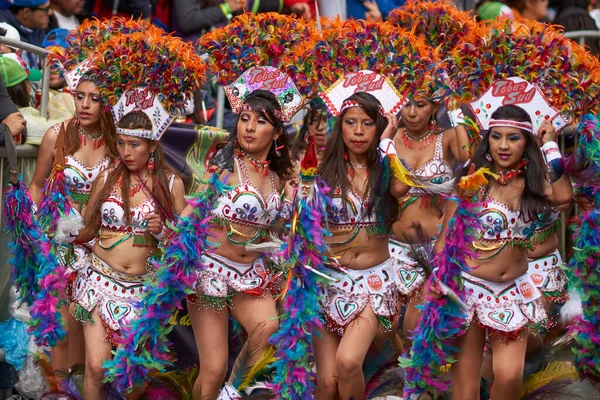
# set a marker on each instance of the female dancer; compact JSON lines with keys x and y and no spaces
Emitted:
{"x":81,"y":149}
{"x":256,"y":163}
{"x":431,"y":153}
{"x":363,"y":297}
{"x":126,"y":211}
{"x":503,"y":301}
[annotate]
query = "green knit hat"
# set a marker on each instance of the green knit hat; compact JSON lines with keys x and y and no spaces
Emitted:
{"x":12,"y":73}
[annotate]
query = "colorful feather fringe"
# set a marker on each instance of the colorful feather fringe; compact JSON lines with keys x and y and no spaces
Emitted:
{"x":442,"y":320}
{"x":565,"y":72}
{"x":85,"y":39}
{"x":144,"y":346}
{"x":252,"y":41}
{"x":24,"y":246}
{"x":47,"y":325}
{"x":305,"y":253}
{"x":148,"y":58}
{"x":584,"y":262}
{"x":441,"y":24}
{"x":354,"y":45}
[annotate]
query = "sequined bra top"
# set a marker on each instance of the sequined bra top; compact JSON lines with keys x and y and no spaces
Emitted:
{"x":79,"y":177}
{"x":246,"y":205}
{"x":502,"y":225}
{"x":113,"y":218}
{"x":435,"y":171}
{"x":352,"y":212}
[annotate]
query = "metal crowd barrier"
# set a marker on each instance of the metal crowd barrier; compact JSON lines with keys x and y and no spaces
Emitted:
{"x":45,"y":72}
{"x":581,"y":35}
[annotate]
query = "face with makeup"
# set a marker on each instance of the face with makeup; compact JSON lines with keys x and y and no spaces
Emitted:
{"x":359,"y":131}
{"x":87,"y":106}
{"x":416,"y":115}
{"x":507,"y":146}
{"x":255,"y":133}
{"x":135,"y":152}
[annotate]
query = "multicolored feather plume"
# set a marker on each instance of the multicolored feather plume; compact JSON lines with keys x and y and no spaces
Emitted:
{"x":565,"y":72}
{"x":441,"y":24}
{"x":26,"y":236}
{"x":252,"y":41}
{"x":354,"y":45}
{"x":442,"y":320}
{"x":583,"y":266}
{"x":305,"y":253}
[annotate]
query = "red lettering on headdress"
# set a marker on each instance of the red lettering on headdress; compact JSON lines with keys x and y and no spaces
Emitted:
{"x":270,"y":79}
{"x":364,"y":82}
{"x":512,"y":92}
{"x":141,"y":98}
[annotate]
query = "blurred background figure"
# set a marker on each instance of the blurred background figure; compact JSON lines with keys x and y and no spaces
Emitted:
{"x":573,"y":15}
{"x":30,"y":18}
{"x":65,"y":14}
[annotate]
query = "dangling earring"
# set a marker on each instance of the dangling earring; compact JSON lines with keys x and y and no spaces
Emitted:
{"x":488,"y":157}
{"x":278,"y":148}
{"x":151,"y":162}
{"x":76,"y":121}
{"x":525,"y":162}
{"x":433,"y":124}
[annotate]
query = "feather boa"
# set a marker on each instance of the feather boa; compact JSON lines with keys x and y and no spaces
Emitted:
{"x":305,"y":252}
{"x":584,"y":278}
{"x":27,"y":236}
{"x":46,"y":323}
{"x":443,"y":319}
{"x":144,"y":346}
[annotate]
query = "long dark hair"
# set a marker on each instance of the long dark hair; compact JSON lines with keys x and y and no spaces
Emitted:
{"x":160,"y":192}
{"x":19,"y":94}
{"x":317,"y":112}
{"x":265,"y":104}
{"x":533,"y":202}
{"x":334,"y":167}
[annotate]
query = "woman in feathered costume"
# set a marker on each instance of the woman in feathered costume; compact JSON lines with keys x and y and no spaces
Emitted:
{"x":71,"y":157}
{"x":503,"y":302}
{"x":129,"y":204}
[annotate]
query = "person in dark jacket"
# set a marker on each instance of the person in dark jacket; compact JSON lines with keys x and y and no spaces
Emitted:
{"x":13,"y":122}
{"x":573,"y":15}
{"x":30,"y":18}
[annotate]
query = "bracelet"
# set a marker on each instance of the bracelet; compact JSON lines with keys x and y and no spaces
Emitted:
{"x":387,"y":147}
{"x":551,"y":151}
{"x":457,"y":117}
{"x":226,"y":10}
{"x":160,"y":235}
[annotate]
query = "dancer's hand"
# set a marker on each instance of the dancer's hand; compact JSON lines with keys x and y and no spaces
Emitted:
{"x":432,"y":289}
{"x":391,"y":128}
{"x":154,"y":222}
{"x":547,"y":132}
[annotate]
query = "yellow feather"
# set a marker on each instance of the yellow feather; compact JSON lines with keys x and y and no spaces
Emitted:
{"x":555,"y":371}
{"x":401,"y":173}
{"x":266,"y":359}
